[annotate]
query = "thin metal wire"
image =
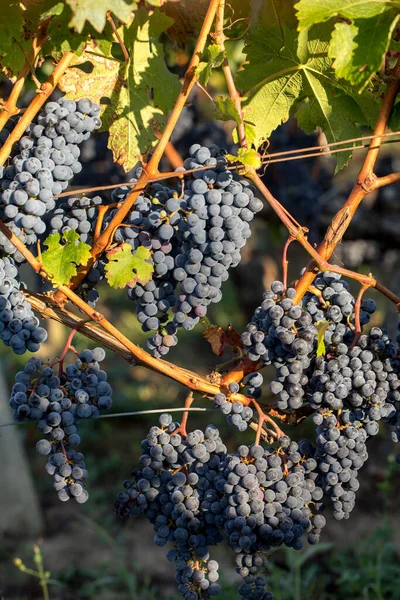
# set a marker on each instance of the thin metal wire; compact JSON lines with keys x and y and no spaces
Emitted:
{"x":284,"y":156}
{"x":267,"y":161}
{"x":332,"y":144}
{"x":126,"y":414}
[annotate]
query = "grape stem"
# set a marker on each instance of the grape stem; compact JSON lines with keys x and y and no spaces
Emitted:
{"x":220,"y":38}
{"x":357,"y":309}
{"x":9,"y":108}
{"x":264,"y":418}
{"x":118,"y":36}
{"x":188,"y":403}
{"x":285,"y":262}
{"x":67,"y":348}
{"x":40,"y":98}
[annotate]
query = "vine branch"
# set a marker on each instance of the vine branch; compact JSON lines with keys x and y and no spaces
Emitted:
{"x":220,"y":38}
{"x":386,"y":180}
{"x":296,"y":232}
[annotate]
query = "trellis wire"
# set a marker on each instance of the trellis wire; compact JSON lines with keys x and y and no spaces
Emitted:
{"x":126,"y":414}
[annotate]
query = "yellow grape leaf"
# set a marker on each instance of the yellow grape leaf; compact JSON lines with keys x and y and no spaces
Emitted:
{"x":128,"y":267}
{"x":247,"y":157}
{"x":322,"y":327}
{"x":100,"y":83}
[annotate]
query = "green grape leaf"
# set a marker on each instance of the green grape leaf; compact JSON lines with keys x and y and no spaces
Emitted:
{"x":247,"y":157}
{"x":359,"y":47}
{"x":215,"y":59}
{"x":394,"y":45}
{"x":126,"y":267}
{"x":94,"y":11}
{"x":226,"y":110}
{"x":13,"y":44}
{"x":290,"y":71}
{"x":37,"y":11}
{"x":62,"y":259}
{"x":394,"y":120}
{"x":273,"y":13}
{"x":63,"y":38}
{"x":310,"y":12}
{"x":140,"y":93}
{"x":322,"y":327}
{"x":250,"y":132}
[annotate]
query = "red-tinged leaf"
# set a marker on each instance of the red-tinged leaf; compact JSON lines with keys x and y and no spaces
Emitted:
{"x":233,"y":339}
{"x":220,"y":338}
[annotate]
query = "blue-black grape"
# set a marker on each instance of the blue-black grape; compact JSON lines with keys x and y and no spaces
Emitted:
{"x":19,"y":328}
{"x":57,"y":400}
{"x":42,"y":164}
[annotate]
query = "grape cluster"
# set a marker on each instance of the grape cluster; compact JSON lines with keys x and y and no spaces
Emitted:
{"x":174,"y":488}
{"x":332,"y":302}
{"x":58,"y":402}
{"x":340,"y":455}
{"x":221,"y":206}
{"x":254,"y":588}
{"x":282,"y":334}
{"x":352,"y":383}
{"x":194,"y":238}
{"x":195,"y":493}
{"x":195,"y":579}
{"x":361,"y":385}
{"x":19,"y":328}
{"x":42,"y":164}
{"x":238,"y":415}
{"x":77,"y":214}
{"x":395,"y":393}
{"x":267,"y":493}
{"x":286,"y":335}
{"x":354,"y":378}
